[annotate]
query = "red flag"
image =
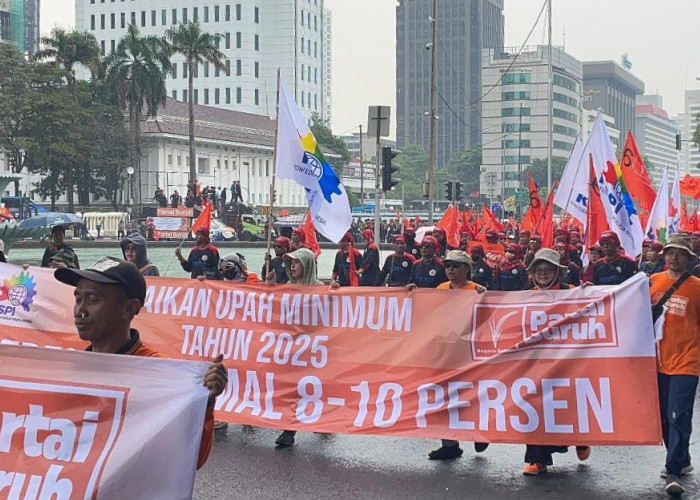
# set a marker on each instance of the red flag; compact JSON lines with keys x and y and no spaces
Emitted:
{"x":354,"y":280}
{"x":310,"y":234}
{"x":450,"y":223}
{"x":545,"y":226}
{"x":490,"y":220}
{"x":466,"y":221}
{"x":693,"y":222}
{"x":596,"y":219}
{"x":204,"y":219}
{"x":636,"y":178}
{"x":684,"y":219}
{"x":690,"y":186}
{"x":534,"y":210}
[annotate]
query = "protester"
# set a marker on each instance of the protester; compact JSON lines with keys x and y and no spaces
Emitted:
{"x":298,"y":239}
{"x":429,"y":271}
{"x":533,"y":246}
{"x":524,"y":238}
{"x":563,"y":236}
{"x":481,"y":272}
{"x":573,"y":274}
{"x":370,"y":260}
{"x":233,"y":267}
{"x":175,"y":199}
{"x":594,"y":254}
{"x":300,"y":268}
{"x":465,"y":237}
{"x":282,"y":246}
{"x":653,"y":263}
{"x":203,"y":259}
{"x":547,"y":274}
{"x":135,"y":250}
{"x":457,"y":269}
{"x":613,"y":268}
{"x":397,"y":266}
{"x":108,"y":295}
{"x":494,"y":251}
{"x":441,"y":236}
{"x":348,"y":262}
{"x":64,"y":258}
{"x":695,"y":264}
{"x":58,"y":235}
{"x":678,"y":356}
{"x":511,"y":275}
{"x":411,"y":247}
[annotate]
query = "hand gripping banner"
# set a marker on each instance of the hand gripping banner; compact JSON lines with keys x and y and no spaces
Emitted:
{"x":564,"y":367}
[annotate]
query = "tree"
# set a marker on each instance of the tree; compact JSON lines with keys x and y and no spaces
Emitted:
{"x":413,"y":165}
{"x":136,"y":72}
{"x":197,"y":47}
{"x":330,"y":143}
{"x":538,"y":170}
{"x":68,"y":49}
{"x":465,"y":167}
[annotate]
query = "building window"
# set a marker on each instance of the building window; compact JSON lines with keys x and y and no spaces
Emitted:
{"x":196,"y":96}
{"x":102,"y":21}
{"x":515,"y":127}
{"x":143,"y":18}
{"x":216,"y":13}
{"x":163,"y":17}
{"x":238,"y":12}
{"x":257,"y":97}
{"x":217,"y":94}
{"x":239,"y":67}
{"x":302,"y":72}
{"x":227,"y":40}
{"x":257,"y":42}
{"x":516,"y":160}
{"x":228,"y":95}
{"x":184,"y":70}
{"x":174,"y":94}
{"x":123,"y":20}
{"x":564,"y":146}
{"x":173,"y":17}
{"x":184,"y":95}
{"x":217,"y":71}
{"x":565,"y":115}
{"x":302,"y":17}
{"x":102,"y":47}
{"x":206,"y":13}
{"x":256,"y":15}
{"x":302,"y":44}
{"x":206,"y":96}
{"x":184,"y":14}
{"x":257,"y":69}
{"x":112,"y":21}
{"x":515,"y":143}
{"x":112,"y":45}
{"x":239,"y":95}
{"x":174,"y":71}
{"x":195,"y":14}
{"x":519,"y":111}
{"x":206,"y":69}
{"x":510,"y":78}
{"x":512,"y":96}
{"x":133,"y":18}
{"x":565,"y":99}
{"x":92,"y":22}
{"x":238,"y":39}
{"x":228,"y":67}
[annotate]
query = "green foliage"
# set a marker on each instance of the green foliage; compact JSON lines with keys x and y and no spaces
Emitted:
{"x":464,"y":166}
{"x":538,"y":170}
{"x":330,"y":143}
{"x":413,"y":166}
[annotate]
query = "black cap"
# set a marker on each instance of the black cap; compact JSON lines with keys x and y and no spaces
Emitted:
{"x":111,"y":271}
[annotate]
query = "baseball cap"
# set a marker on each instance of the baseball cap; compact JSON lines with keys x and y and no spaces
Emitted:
{"x":110,"y":271}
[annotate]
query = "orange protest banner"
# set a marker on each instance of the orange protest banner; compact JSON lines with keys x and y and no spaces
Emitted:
{"x":542,"y":367}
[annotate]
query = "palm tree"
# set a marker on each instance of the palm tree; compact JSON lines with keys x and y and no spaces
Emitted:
{"x":68,"y":49}
{"x":136,"y":72}
{"x":197,"y":47}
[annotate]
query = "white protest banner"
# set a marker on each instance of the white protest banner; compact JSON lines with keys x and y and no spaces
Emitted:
{"x":98,"y":426}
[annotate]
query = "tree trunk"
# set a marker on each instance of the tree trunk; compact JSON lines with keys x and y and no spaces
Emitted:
{"x":190,"y":103}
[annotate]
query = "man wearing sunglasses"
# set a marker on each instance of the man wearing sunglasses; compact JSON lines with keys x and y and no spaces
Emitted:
{"x":429,"y":271}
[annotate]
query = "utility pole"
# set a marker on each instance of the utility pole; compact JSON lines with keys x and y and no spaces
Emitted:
{"x":520,"y":165}
{"x":362,"y":172}
{"x":433,"y":93}
{"x":549,"y":99}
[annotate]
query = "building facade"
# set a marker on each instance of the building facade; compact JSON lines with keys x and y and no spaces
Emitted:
{"x":655,"y":134}
{"x":258,"y":38}
{"x":687,"y":124}
{"x":610,"y":87}
{"x":19,"y":24}
{"x":464,"y":28}
{"x":515,"y":113}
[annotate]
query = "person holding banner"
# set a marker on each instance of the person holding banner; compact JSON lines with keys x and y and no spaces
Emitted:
{"x":678,"y":356}
{"x":108,"y":295}
{"x":370,"y":259}
{"x":397,"y":266}
{"x":511,"y":274}
{"x":282,"y":246}
{"x":429,"y":271}
{"x":548,"y":274}
{"x":481,"y":272}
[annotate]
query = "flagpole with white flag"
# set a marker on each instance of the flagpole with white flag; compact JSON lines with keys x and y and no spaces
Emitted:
{"x":299,"y":157}
{"x":657,"y":225}
{"x":674,"y":203}
{"x":576,"y":179}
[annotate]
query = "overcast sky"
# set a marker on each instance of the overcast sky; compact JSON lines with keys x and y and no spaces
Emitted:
{"x":659,"y":36}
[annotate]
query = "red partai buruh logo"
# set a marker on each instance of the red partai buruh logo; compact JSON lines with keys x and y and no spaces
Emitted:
{"x":55,"y":439}
{"x":574,"y":323}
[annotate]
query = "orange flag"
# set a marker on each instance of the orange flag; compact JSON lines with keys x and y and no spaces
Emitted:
{"x":690,"y":186}
{"x":545,"y":226}
{"x":310,"y":234}
{"x":693,"y":222}
{"x":596,"y":219}
{"x":450,"y":223}
{"x":534,"y":210}
{"x":466,"y":218}
{"x":204,"y":219}
{"x":684,"y":219}
{"x":490,"y":220}
{"x":636,"y":178}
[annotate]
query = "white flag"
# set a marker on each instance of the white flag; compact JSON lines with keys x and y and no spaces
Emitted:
{"x":572,"y":193}
{"x":674,"y":203}
{"x":657,"y":225}
{"x":300,"y":158}
{"x":619,"y":206}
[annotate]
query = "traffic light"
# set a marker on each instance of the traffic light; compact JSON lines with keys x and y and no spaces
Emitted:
{"x":388,"y":180}
{"x":678,"y":141}
{"x":448,"y":190}
{"x":458,"y":190}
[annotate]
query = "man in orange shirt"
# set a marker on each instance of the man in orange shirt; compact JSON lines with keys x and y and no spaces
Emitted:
{"x":458,"y":265}
{"x":108,"y":295}
{"x":679,"y":357}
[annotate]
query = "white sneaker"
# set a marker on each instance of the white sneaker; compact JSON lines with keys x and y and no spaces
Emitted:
{"x":685,"y":470}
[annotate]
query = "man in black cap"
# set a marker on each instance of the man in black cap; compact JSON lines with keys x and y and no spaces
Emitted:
{"x":108,"y":295}
{"x":58,"y":236}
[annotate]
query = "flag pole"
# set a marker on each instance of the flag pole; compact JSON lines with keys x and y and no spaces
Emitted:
{"x":272,"y":182}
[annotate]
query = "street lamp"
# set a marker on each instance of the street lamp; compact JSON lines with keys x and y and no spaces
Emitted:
{"x":130,"y":172}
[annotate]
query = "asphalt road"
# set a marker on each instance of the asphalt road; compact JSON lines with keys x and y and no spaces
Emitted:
{"x":245,"y":464}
